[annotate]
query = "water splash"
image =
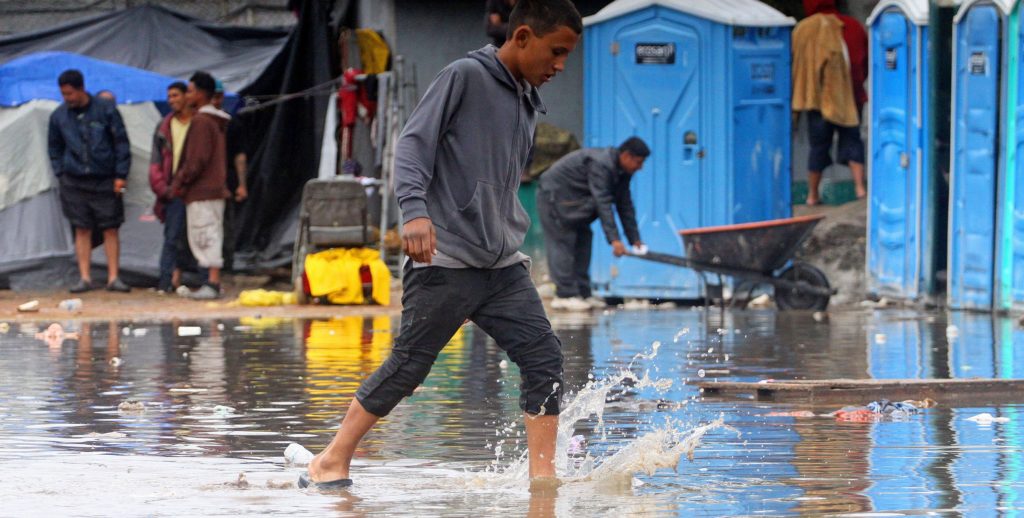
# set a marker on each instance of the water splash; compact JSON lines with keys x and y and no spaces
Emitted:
{"x":663,"y":447}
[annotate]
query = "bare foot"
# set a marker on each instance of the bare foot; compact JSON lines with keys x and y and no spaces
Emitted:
{"x":811,"y":202}
{"x":321,"y":470}
{"x":544,"y":484}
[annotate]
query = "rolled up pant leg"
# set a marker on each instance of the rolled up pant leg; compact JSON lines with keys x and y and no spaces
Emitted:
{"x":514,"y":316}
{"x":435,"y":302}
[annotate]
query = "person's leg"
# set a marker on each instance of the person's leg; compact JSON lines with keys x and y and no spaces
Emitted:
{"x":559,"y":245}
{"x":83,"y":252}
{"x":205,"y":223}
{"x":112,"y":247}
{"x":74,"y":203}
{"x":582,"y":253}
{"x":851,"y":152}
{"x":819,"y":137}
{"x":860,"y":186}
{"x":514,"y":316}
{"x":435,"y":302}
{"x":170,"y":255}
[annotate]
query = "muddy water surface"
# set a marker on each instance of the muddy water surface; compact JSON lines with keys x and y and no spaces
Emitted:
{"x":137,"y":419}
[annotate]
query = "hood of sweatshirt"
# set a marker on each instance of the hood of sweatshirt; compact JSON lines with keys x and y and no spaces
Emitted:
{"x":488,"y":57}
{"x":819,"y":6}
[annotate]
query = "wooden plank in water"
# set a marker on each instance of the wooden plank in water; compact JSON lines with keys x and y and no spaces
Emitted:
{"x":948,"y":392}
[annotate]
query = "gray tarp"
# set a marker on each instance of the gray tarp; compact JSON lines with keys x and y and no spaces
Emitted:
{"x":160,"y":40}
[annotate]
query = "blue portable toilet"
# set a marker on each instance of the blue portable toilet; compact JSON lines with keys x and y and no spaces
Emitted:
{"x":978,"y":38}
{"x":901,"y":225}
{"x":706,"y":83}
{"x":1010,"y":228}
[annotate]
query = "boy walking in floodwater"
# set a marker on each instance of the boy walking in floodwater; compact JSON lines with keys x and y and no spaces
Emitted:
{"x":457,"y":170}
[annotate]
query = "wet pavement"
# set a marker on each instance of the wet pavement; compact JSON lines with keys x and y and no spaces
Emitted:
{"x":142,"y":419}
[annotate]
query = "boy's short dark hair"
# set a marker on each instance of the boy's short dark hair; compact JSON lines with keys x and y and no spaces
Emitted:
{"x":544,"y":16}
{"x":636,"y":147}
{"x":178,"y":85}
{"x":205,"y":82}
{"x":72,"y":78}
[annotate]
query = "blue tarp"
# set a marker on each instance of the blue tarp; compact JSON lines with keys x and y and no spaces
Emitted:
{"x":34,"y":77}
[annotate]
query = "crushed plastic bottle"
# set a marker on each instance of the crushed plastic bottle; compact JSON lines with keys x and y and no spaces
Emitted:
{"x":70,"y":304}
{"x":297,"y":455}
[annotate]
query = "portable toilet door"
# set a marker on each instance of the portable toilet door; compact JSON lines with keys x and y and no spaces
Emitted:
{"x":974,"y":168}
{"x":900,"y":207}
{"x":663,"y":70}
{"x":1010,"y":247}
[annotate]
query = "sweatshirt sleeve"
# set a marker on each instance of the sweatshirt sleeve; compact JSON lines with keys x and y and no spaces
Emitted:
{"x":602,"y":187}
{"x":195,"y":155}
{"x":122,"y":149}
{"x":417,"y":146}
{"x":627,"y":212}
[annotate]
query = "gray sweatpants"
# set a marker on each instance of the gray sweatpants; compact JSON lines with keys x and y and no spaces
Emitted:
{"x":568,"y":247}
{"x":502,"y":302}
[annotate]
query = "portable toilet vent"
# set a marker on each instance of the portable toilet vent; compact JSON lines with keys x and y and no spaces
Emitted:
{"x":706,"y":83}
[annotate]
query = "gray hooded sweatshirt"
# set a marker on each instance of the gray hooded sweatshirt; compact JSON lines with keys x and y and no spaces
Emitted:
{"x":459,"y":159}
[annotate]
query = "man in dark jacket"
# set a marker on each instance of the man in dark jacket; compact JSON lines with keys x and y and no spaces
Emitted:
{"x":90,"y":155}
{"x":582,"y":186}
{"x":200,"y":181}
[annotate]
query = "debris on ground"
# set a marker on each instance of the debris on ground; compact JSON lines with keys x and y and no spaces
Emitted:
{"x":986,"y":418}
{"x":189,"y":330}
{"x":876,"y":411}
{"x":795,"y":413}
{"x":70,"y":304}
{"x":760,"y":302}
{"x":263,"y":297}
{"x":54,"y":335}
{"x":29,"y":307}
{"x":131,"y":406}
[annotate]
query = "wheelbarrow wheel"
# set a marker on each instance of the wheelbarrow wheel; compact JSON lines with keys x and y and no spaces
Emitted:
{"x":792,"y":298}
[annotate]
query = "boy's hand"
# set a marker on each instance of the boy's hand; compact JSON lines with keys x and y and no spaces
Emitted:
{"x":419,"y":240}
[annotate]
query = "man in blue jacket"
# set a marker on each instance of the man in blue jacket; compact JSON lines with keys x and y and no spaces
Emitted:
{"x":90,"y":155}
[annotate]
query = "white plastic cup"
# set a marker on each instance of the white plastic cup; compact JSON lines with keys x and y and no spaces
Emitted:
{"x":296,"y":455}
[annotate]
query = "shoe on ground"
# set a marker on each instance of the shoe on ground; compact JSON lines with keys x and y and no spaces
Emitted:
{"x":596,"y":302}
{"x":570,"y":304}
{"x":206,"y":292}
{"x":183,"y":291}
{"x":118,"y":285}
{"x":81,"y":286}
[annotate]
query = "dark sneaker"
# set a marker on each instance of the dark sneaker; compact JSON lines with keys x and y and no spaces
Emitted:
{"x":81,"y":286}
{"x":117,"y":285}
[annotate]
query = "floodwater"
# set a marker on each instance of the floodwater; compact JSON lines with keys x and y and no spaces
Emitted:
{"x":133,"y":419}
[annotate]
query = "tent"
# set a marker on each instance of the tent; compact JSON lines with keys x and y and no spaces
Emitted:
{"x":284,"y":141}
{"x":160,"y":40}
{"x":36,"y":242}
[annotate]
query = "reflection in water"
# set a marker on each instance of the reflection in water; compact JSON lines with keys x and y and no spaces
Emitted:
{"x":231,"y":398}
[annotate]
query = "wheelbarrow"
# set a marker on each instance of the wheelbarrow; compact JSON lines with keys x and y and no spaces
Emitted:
{"x":758,"y":253}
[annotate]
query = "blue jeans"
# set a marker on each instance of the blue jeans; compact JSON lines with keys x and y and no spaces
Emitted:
{"x":171,"y":256}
